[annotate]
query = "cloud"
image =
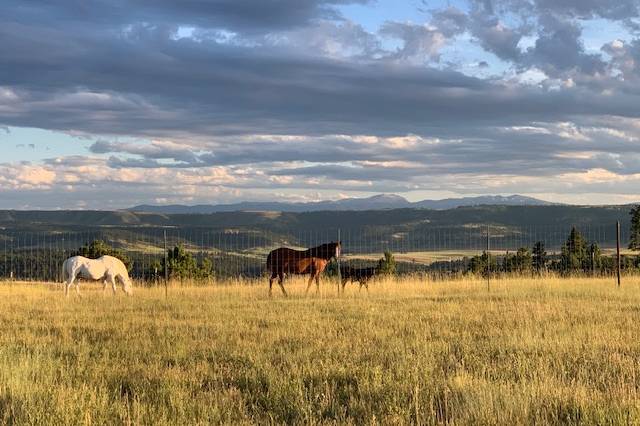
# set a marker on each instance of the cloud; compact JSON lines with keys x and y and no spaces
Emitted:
{"x":496,"y":37}
{"x":558,"y":49}
{"x":419,"y":42}
{"x":242,"y":97}
{"x":245,"y":16}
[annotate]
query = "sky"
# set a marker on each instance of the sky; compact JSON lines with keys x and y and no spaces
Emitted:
{"x":107,"y":104}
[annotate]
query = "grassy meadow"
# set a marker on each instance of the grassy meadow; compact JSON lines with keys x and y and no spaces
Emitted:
{"x":528,"y":351}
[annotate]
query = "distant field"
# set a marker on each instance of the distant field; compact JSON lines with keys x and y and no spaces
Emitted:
{"x":529,"y":351}
{"x":423,"y":257}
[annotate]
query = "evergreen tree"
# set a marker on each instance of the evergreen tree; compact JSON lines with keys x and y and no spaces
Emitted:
{"x":478,"y":264}
{"x":539,"y":259}
{"x":182,"y":265}
{"x":387,"y":265}
{"x":595,"y":257}
{"x":634,"y":243}
{"x":520,"y":262}
{"x":524,"y":260}
{"x":508,"y":263}
{"x":574,"y":254}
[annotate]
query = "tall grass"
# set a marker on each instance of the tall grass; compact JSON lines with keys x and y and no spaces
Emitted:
{"x":410,"y":351}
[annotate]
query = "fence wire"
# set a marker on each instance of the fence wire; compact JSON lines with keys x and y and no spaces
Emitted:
{"x":212,"y":253}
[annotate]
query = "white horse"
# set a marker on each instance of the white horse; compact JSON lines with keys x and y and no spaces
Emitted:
{"x":106,"y":269}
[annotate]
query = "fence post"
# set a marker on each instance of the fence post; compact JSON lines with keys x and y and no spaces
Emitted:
{"x":488,"y":260}
{"x":166,"y":265}
{"x":618,"y":265}
{"x":338,"y":262}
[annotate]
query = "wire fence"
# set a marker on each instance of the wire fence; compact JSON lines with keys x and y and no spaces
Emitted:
{"x":206,"y":253}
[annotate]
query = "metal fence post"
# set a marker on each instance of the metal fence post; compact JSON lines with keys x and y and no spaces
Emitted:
{"x":618,"y":265}
{"x":338,"y":262}
{"x":166,"y":266}
{"x":488,"y":260}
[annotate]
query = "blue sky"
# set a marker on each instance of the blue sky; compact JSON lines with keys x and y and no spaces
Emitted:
{"x":35,"y":145}
{"x":123,"y":103}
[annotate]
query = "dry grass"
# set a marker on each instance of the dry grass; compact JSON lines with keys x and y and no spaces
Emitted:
{"x":548,"y":351}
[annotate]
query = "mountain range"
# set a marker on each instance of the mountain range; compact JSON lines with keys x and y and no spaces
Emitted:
{"x":376,"y":202}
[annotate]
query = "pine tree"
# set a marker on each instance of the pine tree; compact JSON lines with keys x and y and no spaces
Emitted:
{"x":387,"y":265}
{"x":539,"y":257}
{"x":524,"y":260}
{"x":478,"y":264}
{"x":634,"y":243}
{"x":575,"y":255}
{"x":508,"y":263}
{"x":182,"y":265}
{"x":595,"y":257}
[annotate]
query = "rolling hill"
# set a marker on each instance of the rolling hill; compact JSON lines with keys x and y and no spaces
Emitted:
{"x":377,"y":202}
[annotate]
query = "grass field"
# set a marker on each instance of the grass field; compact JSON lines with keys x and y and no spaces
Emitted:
{"x":526,"y":352}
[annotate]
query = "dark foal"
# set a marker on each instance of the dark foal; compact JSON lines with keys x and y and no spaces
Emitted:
{"x":357,"y":275}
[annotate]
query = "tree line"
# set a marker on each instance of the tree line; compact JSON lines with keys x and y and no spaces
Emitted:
{"x":577,"y":255}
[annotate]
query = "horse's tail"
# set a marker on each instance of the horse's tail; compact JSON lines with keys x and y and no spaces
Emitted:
{"x":65,"y":271}
{"x":269,"y":260}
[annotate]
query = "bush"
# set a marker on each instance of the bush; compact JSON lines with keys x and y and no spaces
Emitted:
{"x":182,"y":265}
{"x":387,"y":265}
{"x":478,"y":264}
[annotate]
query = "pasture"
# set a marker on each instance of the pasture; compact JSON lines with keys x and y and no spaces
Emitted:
{"x":528,"y":351}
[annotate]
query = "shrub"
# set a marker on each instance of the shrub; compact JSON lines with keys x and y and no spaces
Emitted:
{"x":387,"y":264}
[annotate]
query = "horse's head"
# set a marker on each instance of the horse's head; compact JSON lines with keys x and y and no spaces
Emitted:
{"x":326,"y":251}
{"x":127,"y":287}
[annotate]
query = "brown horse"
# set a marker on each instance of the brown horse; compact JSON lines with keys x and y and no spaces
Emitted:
{"x":284,"y":260}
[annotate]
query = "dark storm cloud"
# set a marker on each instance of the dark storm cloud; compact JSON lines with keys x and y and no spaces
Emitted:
{"x":165,"y":87}
{"x":247,"y":16}
{"x":151,"y":84}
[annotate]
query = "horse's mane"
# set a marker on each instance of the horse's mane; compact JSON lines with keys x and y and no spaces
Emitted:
{"x":324,"y":251}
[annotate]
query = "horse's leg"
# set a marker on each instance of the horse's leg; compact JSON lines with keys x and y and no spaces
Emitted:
{"x":104,"y":285}
{"x":344,"y":283}
{"x":318,"y":283}
{"x":112,"y":279}
{"x":68,"y":284}
{"x":364,"y":283}
{"x":77,"y":283}
{"x":281,"y":276}
{"x":309,"y":283}
{"x":271,"y":278}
